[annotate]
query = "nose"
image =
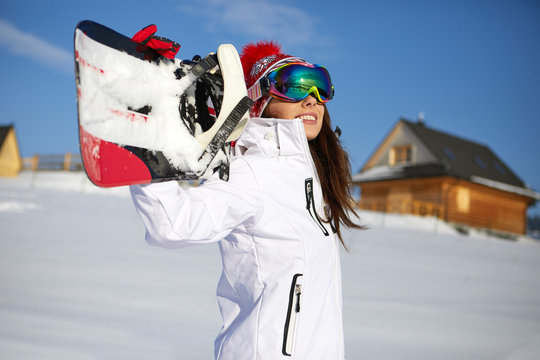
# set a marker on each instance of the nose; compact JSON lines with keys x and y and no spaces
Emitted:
{"x":309,"y":101}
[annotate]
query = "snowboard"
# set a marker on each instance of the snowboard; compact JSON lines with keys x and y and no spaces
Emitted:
{"x":146,"y":118}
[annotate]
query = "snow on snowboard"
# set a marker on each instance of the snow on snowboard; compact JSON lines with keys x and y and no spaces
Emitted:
{"x":144,"y":117}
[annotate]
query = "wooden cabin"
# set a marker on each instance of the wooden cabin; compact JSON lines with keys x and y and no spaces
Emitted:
{"x":423,"y":171}
{"x":10,"y":156}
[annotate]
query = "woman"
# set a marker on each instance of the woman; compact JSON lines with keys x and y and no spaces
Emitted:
{"x":276,"y":220}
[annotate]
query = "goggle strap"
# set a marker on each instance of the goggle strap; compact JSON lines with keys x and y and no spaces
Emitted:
{"x":255,"y":92}
{"x":259,"y":89}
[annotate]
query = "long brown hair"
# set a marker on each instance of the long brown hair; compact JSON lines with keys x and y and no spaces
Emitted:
{"x":334,"y":171}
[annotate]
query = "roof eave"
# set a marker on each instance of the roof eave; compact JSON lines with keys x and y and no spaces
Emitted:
{"x":506,"y":187}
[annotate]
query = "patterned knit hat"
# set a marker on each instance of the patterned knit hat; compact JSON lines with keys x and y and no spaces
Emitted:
{"x":259,"y":59}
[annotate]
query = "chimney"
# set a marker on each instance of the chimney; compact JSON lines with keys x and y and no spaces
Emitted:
{"x":420,"y":119}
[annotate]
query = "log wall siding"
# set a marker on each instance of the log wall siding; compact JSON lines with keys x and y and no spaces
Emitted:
{"x":454,"y":200}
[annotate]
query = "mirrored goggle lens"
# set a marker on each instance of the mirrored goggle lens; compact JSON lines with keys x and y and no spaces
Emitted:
{"x":294,"y":82}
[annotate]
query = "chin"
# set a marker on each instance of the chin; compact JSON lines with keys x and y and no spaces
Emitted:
{"x":311,"y":133}
{"x":310,"y":136}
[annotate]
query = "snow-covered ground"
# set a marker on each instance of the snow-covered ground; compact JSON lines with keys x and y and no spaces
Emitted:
{"x":77,"y":281}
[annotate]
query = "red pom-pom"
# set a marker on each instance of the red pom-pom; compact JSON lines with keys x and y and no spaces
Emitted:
{"x":253,"y":52}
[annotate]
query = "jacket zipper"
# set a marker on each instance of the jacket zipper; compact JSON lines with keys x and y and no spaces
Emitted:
{"x":310,"y":205}
{"x":292,"y":314}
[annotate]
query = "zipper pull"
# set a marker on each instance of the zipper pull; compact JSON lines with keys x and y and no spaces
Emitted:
{"x":310,"y":205}
{"x":309,"y":192}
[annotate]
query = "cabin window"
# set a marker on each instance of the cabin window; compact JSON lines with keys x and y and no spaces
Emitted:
{"x":480,"y":162}
{"x":449,"y":153}
{"x":499,"y":167}
{"x":463,"y":199}
{"x":400,"y":155}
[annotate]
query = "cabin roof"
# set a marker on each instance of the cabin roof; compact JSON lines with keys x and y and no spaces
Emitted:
{"x":463,"y":158}
{"x":453,"y":156}
{"x":4,"y":130}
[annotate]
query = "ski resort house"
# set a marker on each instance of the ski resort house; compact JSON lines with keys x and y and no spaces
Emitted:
{"x":10,"y":157}
{"x":423,"y":171}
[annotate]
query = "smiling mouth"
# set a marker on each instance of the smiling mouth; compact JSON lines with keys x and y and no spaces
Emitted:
{"x":308,"y":119}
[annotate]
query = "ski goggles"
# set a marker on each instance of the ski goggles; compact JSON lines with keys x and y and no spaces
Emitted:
{"x":295,"y":81}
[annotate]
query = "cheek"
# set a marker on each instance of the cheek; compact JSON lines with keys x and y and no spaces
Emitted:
{"x":273,"y":113}
{"x":281,"y":109}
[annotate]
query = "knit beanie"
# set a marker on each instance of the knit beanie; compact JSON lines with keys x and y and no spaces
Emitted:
{"x":258,"y":60}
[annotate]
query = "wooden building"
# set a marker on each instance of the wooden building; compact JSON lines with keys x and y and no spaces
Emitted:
{"x":10,"y":156}
{"x":423,"y":171}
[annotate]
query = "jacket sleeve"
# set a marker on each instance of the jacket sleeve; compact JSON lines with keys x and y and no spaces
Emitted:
{"x":175,"y":217}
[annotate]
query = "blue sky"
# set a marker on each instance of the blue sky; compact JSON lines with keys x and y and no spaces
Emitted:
{"x":472,"y":67}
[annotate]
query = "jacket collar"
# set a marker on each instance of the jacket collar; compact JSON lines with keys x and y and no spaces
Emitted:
{"x":272,"y":137}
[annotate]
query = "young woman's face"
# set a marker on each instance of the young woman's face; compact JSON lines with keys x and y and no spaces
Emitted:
{"x":308,"y":110}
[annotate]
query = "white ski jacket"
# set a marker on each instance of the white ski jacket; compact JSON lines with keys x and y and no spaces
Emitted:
{"x":280,"y":289}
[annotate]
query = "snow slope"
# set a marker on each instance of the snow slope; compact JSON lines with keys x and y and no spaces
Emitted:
{"x":77,"y":281}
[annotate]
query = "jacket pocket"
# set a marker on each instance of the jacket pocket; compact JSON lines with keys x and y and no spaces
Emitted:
{"x":310,"y":205}
{"x":292,"y":314}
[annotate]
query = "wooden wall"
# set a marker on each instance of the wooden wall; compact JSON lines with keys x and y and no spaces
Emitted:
{"x":454,"y":200}
{"x":484,"y":207}
{"x":10,"y":158}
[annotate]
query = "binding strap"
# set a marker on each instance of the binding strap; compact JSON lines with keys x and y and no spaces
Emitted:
{"x":210,"y":61}
{"x":227,"y":127}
